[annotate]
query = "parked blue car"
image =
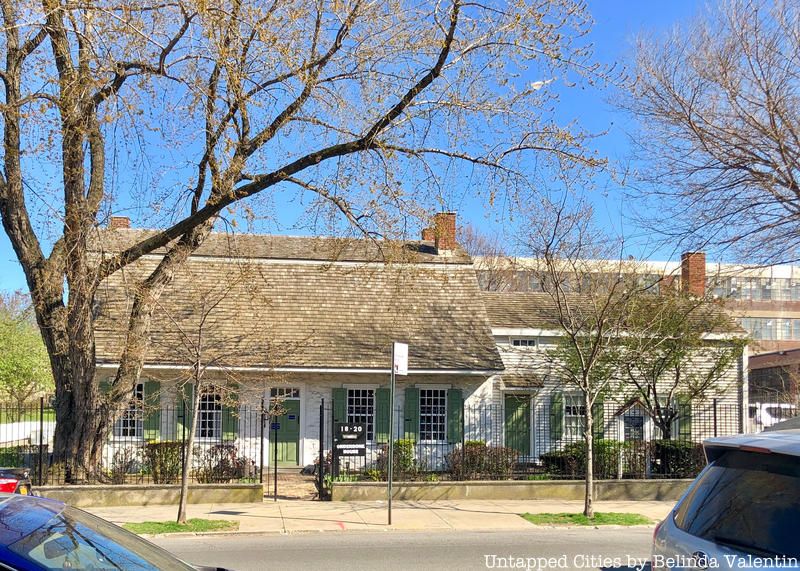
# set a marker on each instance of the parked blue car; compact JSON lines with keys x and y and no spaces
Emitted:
{"x":39,"y":533}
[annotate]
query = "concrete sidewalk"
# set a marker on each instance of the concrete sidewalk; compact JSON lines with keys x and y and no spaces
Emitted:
{"x":288,"y":516}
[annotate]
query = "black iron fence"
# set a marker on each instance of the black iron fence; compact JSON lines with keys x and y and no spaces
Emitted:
{"x":533,"y":440}
{"x":522,"y":439}
{"x":143,"y":447}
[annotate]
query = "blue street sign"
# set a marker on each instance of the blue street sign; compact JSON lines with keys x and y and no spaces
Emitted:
{"x":275,"y":426}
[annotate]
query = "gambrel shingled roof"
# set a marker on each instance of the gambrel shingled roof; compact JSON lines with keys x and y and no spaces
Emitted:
{"x":295,"y":307}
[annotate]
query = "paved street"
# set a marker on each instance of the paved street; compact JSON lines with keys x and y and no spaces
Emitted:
{"x":573,"y":548}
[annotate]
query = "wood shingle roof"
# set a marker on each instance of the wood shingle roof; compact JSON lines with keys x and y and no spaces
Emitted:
{"x":282,"y":302}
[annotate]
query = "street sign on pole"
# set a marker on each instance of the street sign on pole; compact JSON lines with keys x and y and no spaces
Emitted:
{"x":400,"y":359}
{"x":399,"y":367}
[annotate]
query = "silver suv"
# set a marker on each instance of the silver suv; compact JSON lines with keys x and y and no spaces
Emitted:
{"x":742,"y":511}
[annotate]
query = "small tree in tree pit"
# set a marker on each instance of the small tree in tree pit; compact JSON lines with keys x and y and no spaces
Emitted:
{"x":589,"y":295}
{"x":192,"y":331}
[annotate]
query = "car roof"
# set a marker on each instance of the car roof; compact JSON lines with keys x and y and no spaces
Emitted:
{"x":20,"y":515}
{"x":785,"y":442}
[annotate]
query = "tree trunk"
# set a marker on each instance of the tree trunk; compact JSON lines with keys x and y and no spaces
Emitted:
{"x":588,"y":503}
{"x":194,"y":406}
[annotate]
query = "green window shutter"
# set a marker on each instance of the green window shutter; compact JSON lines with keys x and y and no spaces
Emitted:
{"x":556,"y":416}
{"x":185,"y":410}
{"x":382,"y":416}
{"x":455,"y":415}
{"x":684,"y":417}
{"x":598,"y":418}
{"x":339,"y":405}
{"x":152,"y":410}
{"x":411,"y":414}
{"x":230,"y":414}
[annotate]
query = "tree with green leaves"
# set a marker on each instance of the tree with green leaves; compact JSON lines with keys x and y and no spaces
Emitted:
{"x":24,"y":366}
{"x":678,"y":349}
{"x":590,"y":292}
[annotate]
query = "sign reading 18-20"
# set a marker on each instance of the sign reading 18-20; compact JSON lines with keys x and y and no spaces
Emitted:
{"x":350,"y":439}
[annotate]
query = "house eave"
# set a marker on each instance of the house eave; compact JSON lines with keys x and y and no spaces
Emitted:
{"x":337,"y":370}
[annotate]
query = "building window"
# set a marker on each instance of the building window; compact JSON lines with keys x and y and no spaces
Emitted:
{"x":574,"y":414}
{"x":432,"y":415}
{"x":525,"y":342}
{"x":209,"y":416}
{"x":361,"y":409}
{"x":129,"y":425}
{"x":284,"y":393}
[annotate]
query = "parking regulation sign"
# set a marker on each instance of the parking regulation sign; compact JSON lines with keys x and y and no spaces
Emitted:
{"x":400,"y":364}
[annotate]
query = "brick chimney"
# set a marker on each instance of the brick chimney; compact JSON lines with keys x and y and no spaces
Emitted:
{"x":693,"y":273}
{"x":444,"y":228}
{"x":117,"y":222}
{"x":442,"y":232}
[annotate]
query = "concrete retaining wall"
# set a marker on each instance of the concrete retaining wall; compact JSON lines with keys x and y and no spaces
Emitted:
{"x":141,"y":495}
{"x":621,"y":490}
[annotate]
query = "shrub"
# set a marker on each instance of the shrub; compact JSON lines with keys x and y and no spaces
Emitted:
{"x":677,"y":458}
{"x":477,"y":461}
{"x":404,"y":467}
{"x":163,"y":461}
{"x":571,"y":461}
{"x":124,"y":462}
{"x":221,"y":463}
{"x":562,"y":463}
{"x":11,"y":457}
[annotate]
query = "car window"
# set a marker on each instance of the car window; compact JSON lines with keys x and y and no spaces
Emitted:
{"x":75,"y":539}
{"x":746,"y":500}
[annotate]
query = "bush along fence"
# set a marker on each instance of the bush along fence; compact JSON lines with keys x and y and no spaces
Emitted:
{"x":143,"y":447}
{"x":533,"y":440}
{"x":527,"y":437}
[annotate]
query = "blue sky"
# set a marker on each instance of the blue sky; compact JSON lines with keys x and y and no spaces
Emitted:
{"x":617,"y":23}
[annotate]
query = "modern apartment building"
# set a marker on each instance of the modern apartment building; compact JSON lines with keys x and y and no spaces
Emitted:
{"x":765,"y":300}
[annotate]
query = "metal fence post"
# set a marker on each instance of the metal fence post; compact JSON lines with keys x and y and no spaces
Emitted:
{"x":715,"y":417}
{"x":183,"y":435}
{"x":261,"y":450}
{"x":463,"y":438}
{"x":321,"y":471}
{"x":41,"y":433}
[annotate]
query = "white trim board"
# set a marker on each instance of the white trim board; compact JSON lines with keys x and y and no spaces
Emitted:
{"x":347,"y":370}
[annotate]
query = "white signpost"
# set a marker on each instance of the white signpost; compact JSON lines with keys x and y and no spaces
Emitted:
{"x":399,"y":367}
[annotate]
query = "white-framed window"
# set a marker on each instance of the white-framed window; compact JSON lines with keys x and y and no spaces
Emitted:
{"x":284,"y":393}
{"x":130,"y":424}
{"x":574,"y":414}
{"x":209,"y":415}
{"x":524,"y":342}
{"x":361,"y":409}
{"x":432,"y":415}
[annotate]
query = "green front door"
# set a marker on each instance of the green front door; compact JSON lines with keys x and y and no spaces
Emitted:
{"x":518,"y":423}
{"x":288,"y":434}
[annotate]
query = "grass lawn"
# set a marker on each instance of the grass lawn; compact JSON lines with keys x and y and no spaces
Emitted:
{"x":600,"y":518}
{"x":192,"y":525}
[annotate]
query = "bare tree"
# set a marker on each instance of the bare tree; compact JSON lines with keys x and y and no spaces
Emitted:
{"x":589,"y":294}
{"x":187,"y":109}
{"x":679,"y":348}
{"x":495,"y":269}
{"x":195,"y":330}
{"x":719,"y":112}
